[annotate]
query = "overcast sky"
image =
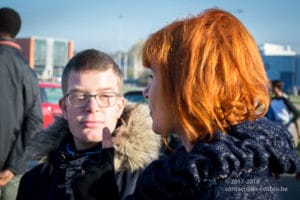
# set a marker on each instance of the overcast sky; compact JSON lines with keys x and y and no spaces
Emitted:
{"x":112,"y":25}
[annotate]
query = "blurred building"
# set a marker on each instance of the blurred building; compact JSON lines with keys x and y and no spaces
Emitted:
{"x":281,"y":63}
{"x":131,"y":62}
{"x":121,"y":58}
{"x":46,"y":56}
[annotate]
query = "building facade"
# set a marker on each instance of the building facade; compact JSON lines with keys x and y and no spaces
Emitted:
{"x":281,"y":63}
{"x":46,"y":56}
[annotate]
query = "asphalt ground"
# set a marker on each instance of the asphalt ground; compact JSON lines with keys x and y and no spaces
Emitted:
{"x":290,"y":186}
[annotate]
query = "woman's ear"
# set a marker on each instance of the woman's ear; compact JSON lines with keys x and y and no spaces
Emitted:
{"x":63,"y":106}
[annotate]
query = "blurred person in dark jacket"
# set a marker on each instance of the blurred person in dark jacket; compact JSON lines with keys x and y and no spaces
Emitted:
{"x":20,"y":116}
{"x":209,"y":88}
{"x":92,"y":103}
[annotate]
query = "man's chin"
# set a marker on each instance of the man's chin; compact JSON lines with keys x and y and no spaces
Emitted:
{"x":92,"y":136}
{"x":86,"y":143}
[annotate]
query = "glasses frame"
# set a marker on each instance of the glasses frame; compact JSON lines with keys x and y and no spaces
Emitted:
{"x":89,"y":96}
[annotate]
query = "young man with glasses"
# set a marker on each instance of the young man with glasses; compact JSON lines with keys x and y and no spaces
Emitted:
{"x":92,"y":103}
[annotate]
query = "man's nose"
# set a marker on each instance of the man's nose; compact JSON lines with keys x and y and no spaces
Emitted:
{"x":92,"y":105}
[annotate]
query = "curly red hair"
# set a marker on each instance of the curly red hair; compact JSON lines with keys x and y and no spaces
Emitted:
{"x":211,"y":71}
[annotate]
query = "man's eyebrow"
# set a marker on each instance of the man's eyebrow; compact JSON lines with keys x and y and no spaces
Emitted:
{"x":108,"y":89}
{"x":76,"y":90}
{"x":97,"y":91}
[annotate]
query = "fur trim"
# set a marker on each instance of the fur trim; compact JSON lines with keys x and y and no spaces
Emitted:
{"x":135,"y":143}
{"x":49,"y":139}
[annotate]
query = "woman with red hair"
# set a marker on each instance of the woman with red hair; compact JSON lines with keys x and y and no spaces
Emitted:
{"x":210,"y":88}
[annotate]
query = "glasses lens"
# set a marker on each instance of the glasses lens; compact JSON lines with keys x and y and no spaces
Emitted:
{"x":77,"y":99}
{"x":107,"y":99}
{"x":104,"y":99}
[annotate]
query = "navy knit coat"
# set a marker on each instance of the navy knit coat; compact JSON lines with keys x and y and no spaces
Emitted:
{"x":238,"y":165}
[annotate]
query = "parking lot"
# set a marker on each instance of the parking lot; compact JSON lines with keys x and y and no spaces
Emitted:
{"x":292,"y":185}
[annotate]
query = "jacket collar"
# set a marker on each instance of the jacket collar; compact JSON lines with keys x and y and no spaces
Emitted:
{"x":136,"y":145}
{"x":11,"y":44}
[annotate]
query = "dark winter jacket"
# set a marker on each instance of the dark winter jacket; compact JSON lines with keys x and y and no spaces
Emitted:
{"x":21,"y":115}
{"x":135,"y":147}
{"x":237,"y":165}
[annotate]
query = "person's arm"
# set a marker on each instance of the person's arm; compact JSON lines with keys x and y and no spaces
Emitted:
{"x":295,"y":112}
{"x":32,"y":123}
{"x":5,"y":176}
{"x":292,"y":108}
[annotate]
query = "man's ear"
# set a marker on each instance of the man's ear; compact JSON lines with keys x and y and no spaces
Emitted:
{"x":63,"y":107}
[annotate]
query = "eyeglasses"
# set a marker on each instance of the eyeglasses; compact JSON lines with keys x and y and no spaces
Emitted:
{"x":103,"y":99}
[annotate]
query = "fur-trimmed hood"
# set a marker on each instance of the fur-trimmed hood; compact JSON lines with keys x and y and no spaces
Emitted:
{"x":135,"y":143}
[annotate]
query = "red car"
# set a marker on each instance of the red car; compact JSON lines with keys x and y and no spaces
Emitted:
{"x":50,"y":95}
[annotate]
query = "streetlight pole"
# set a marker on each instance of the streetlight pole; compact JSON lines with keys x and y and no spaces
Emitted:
{"x":123,"y":55}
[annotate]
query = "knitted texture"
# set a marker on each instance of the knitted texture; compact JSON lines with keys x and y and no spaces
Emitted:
{"x":237,"y":165}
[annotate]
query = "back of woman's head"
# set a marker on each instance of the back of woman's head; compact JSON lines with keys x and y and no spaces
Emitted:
{"x":211,"y":70}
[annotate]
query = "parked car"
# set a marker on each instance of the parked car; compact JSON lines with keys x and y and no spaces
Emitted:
{"x":135,"y":96}
{"x":50,"y":95}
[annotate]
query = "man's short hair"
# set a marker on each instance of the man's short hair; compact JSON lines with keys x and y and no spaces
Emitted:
{"x":91,"y":59}
{"x":10,"y":22}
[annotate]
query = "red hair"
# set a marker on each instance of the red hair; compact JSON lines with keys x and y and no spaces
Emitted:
{"x":211,"y":72}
